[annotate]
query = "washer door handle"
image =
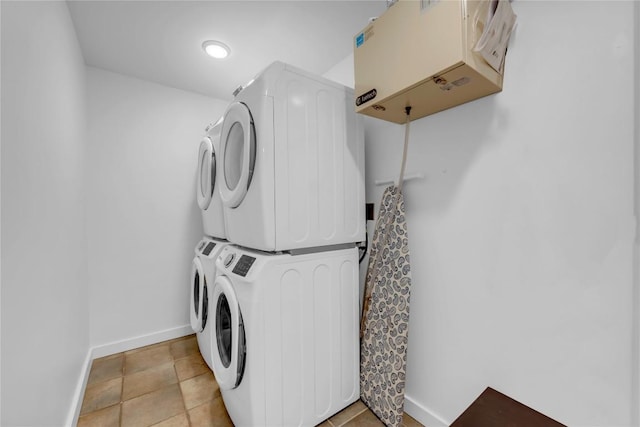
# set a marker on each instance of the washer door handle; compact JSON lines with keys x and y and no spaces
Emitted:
{"x":229,"y":260}
{"x":196,"y":301}
{"x":227,"y":372}
{"x":235,"y":184}
{"x":205,"y":184}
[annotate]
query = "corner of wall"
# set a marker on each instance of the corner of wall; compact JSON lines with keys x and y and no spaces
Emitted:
{"x":422,"y":414}
{"x":342,"y":72}
{"x":78,"y":394}
{"x":635,"y":380}
{"x":113,"y":348}
{"x":140,"y":341}
{"x":0,"y":218}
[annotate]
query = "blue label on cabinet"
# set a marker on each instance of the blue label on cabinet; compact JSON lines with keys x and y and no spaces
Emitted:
{"x":359,"y":39}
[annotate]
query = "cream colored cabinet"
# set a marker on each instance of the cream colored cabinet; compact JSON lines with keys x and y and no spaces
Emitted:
{"x":419,"y":54}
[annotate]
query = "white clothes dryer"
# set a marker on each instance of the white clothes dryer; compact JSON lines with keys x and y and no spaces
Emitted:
{"x":203,"y":272}
{"x":286,"y":346}
{"x":207,"y":188}
{"x":292,"y":173}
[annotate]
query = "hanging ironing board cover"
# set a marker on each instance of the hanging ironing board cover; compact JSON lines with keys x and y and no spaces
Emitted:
{"x":383,"y":352}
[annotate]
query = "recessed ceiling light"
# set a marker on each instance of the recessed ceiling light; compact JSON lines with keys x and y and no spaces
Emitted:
{"x":216,"y":49}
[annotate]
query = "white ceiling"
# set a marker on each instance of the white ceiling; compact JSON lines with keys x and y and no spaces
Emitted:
{"x":160,"y":41}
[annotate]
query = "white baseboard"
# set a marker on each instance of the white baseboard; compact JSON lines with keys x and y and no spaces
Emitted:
{"x":78,"y":394}
{"x":113,"y":348}
{"x":422,"y":414}
{"x":140,"y":341}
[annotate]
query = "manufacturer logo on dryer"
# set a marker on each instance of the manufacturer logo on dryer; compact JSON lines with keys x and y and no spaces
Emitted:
{"x":366,"y":97}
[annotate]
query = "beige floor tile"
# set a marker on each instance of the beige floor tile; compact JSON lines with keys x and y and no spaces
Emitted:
{"x":106,"y":417}
{"x":185,"y":347}
{"x":408,"y":421}
{"x":106,"y":368}
{"x":148,"y":380}
{"x":348,"y":413}
{"x":149,"y":358}
{"x":147,"y":347}
{"x":365,"y":419}
{"x":327,"y":423}
{"x":189,"y":367}
{"x":101,"y":395}
{"x":178,"y":421}
{"x":152,"y":408}
{"x":186,"y":337}
{"x":210,"y":414}
{"x":200,"y":389}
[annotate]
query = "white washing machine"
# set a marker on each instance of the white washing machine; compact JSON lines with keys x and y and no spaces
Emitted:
{"x":203,"y":272}
{"x":292,"y":172}
{"x":286,"y":346}
{"x":207,"y":188}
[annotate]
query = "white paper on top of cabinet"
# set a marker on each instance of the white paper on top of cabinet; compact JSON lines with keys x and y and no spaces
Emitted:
{"x":492,"y":44}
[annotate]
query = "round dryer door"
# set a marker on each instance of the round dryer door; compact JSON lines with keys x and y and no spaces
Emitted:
{"x":229,"y":348}
{"x":206,"y":173}
{"x":198,"y":288}
{"x":238,"y":153}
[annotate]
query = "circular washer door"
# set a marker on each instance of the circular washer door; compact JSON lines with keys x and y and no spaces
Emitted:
{"x":206,"y":173}
{"x":196,"y":302}
{"x":238,"y":154}
{"x":229,"y":350}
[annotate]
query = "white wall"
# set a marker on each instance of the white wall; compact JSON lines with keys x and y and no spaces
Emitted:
{"x":0,"y":214}
{"x":636,"y":299}
{"x":521,"y":234}
{"x":143,"y":220}
{"x":45,"y":328}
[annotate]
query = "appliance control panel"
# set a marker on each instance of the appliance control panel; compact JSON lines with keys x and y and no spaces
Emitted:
{"x":207,"y":250}
{"x":243,"y":265}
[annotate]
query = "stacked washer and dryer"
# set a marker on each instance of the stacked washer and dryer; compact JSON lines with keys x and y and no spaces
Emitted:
{"x":275,"y":288}
{"x":203,"y":267}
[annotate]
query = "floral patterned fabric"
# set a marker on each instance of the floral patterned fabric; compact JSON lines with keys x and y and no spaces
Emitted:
{"x":383,"y":351}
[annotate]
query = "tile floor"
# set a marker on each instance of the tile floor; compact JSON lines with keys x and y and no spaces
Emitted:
{"x":169,"y":385}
